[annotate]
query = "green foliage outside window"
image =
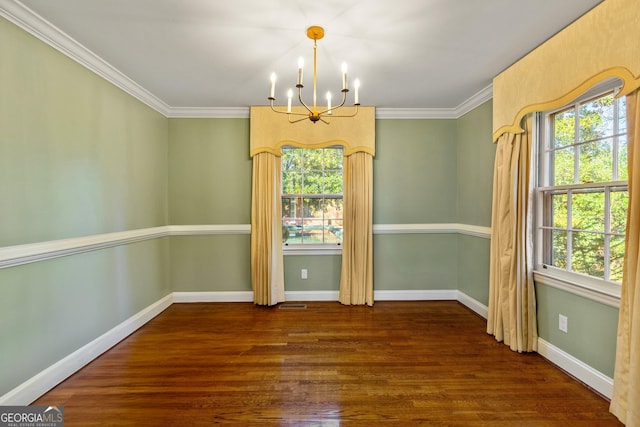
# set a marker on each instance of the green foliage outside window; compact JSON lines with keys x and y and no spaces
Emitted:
{"x":588,"y":146}
{"x":312,"y":187}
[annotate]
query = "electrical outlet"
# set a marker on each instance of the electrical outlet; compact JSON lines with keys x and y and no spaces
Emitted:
{"x":303,"y":273}
{"x":563,"y":323}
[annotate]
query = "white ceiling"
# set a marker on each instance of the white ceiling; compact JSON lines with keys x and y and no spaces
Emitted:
{"x":217,"y":53}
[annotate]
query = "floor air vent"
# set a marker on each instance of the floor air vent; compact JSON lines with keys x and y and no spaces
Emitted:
{"x":293,"y":306}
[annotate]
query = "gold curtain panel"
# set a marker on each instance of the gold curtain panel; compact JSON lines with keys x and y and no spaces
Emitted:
{"x":271,"y":131}
{"x":602,"y":44}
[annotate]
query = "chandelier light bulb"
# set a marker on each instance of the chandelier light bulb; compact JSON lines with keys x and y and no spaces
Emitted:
{"x":273,"y":86}
{"x":356,"y":86}
{"x":289,"y":96}
{"x":344,"y":75}
{"x":328,"y":102}
{"x":300,"y":66}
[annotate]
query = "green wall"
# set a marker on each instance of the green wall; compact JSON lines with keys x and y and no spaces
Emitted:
{"x":78,"y":157}
{"x":475,"y":154}
{"x":414,"y":172}
{"x":592,"y":327}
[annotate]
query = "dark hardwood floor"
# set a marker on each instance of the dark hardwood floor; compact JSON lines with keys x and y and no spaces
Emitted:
{"x":394,"y":364}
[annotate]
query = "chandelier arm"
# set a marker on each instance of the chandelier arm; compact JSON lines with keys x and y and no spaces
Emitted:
{"x":349,"y":115}
{"x":286,"y":112}
{"x":301,"y":101}
{"x":306,"y":117}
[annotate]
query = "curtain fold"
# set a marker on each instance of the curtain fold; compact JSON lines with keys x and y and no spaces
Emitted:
{"x":625,"y":402}
{"x":356,"y":278}
{"x":512,"y":309}
{"x":267,"y":270}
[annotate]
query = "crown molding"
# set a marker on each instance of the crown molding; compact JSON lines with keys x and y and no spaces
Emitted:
{"x":208,"y":113}
{"x":34,"y":24}
{"x":475,"y":101}
{"x":415,"y":113}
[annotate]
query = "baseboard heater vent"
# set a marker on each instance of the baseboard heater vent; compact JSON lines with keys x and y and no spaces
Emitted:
{"x":293,"y":306}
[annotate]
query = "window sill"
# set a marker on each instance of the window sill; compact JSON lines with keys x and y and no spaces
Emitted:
{"x":311,"y":250}
{"x":610,"y":298}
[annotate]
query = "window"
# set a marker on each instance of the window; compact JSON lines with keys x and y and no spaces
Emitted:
{"x":582,"y":195}
{"x":312,"y":183}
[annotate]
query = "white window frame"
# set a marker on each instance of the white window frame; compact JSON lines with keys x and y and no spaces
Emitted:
{"x":591,"y":287}
{"x":312,"y":248}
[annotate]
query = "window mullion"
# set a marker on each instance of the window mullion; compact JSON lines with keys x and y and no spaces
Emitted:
{"x":569,"y":232}
{"x":607,"y":232}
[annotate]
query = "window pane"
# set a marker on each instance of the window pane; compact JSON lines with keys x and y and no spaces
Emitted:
{"x":559,"y":207}
{"x":307,"y":177}
{"x":564,"y":128}
{"x":333,"y":231}
{"x":587,"y":255}
{"x":619,"y":204}
{"x":333,"y":208}
{"x":563,"y":166}
{"x":312,"y":183}
{"x":333,"y":182}
{"x":622,"y":114}
{"x":312,"y":208}
{"x":587,"y":211}
{"x":616,"y":256}
{"x":291,"y":182}
{"x":623,"y":160}
{"x":559,"y":249}
{"x":312,"y":159}
{"x":291,"y":159}
{"x":333,"y":158}
{"x":596,"y":161}
{"x":596,"y":118}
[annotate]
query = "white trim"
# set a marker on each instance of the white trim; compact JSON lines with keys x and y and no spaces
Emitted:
{"x":34,"y":24}
{"x":416,"y":295}
{"x":466,"y":106}
{"x":200,"y":230}
{"x":311,"y":295}
{"x":576,"y":289}
{"x":471,"y":230}
{"x":474,"y":230}
{"x":209,"y":112}
{"x":476,"y":100}
{"x":33,"y":388}
{"x":11,"y":256}
{"x":415,"y":113}
{"x":312,"y":250}
{"x":231,"y":296}
{"x":473,"y":304}
{"x":585,"y":373}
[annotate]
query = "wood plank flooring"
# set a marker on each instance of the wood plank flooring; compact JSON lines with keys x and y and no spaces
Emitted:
{"x":393,"y":364}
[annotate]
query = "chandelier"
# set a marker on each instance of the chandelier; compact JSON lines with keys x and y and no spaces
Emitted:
{"x":315,"y":33}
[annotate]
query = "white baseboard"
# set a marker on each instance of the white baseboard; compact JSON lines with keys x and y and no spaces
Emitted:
{"x":44,"y":381}
{"x":473,"y":304}
{"x":311,"y":295}
{"x":585,"y":373}
{"x":239,"y":296}
{"x":415,"y":295}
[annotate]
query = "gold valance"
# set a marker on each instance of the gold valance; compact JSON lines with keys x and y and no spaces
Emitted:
{"x":271,"y":131}
{"x":602,"y":44}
